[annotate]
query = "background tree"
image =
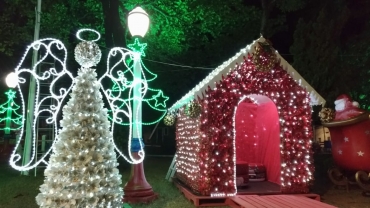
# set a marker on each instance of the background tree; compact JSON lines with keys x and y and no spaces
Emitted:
{"x":356,"y":52}
{"x":274,"y":13}
{"x":316,"y":48}
{"x":114,"y":29}
{"x":188,"y":38}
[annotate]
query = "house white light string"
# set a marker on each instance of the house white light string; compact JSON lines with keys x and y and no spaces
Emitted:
{"x":227,"y":66}
{"x":222,"y":194}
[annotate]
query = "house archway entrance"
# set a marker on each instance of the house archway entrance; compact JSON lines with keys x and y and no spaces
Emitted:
{"x":257,"y":145}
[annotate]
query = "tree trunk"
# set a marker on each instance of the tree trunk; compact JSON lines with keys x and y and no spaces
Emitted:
{"x":114,"y":30}
{"x":266,"y":9}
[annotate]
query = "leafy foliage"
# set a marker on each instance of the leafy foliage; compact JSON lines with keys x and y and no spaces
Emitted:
{"x":290,"y":5}
{"x":180,"y":26}
{"x":332,"y":51}
{"x":14,"y":23}
{"x":316,"y":49}
{"x":200,"y":33}
{"x":356,"y":55}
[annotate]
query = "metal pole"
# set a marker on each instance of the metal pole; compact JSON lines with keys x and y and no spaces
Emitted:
{"x":137,"y":117}
{"x":31,"y":96}
{"x":137,"y":189}
{"x":8,"y":118}
{"x":155,"y":128}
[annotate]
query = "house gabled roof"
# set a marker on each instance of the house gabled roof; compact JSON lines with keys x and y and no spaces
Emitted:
{"x":222,"y":70}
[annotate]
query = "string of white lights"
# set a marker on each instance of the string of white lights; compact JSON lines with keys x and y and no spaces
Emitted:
{"x":50,"y":45}
{"x":47,"y":44}
{"x":119,"y":105}
{"x":216,"y":75}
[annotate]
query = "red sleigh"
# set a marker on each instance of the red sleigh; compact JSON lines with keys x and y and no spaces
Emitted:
{"x":351,"y":151}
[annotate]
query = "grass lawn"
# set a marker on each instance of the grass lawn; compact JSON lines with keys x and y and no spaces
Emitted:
{"x":17,"y":191}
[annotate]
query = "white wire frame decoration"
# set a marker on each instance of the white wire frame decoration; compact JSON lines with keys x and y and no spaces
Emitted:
{"x":55,"y":49}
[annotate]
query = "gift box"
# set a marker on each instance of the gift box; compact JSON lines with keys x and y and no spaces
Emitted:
{"x":257,"y":172}
{"x":242,"y":168}
{"x":242,"y":180}
{"x":242,"y":173}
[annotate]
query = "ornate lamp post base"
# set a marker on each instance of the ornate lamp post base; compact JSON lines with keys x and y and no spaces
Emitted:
{"x":137,"y":189}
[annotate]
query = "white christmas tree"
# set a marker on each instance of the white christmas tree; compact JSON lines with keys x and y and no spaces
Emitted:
{"x":82,"y":170}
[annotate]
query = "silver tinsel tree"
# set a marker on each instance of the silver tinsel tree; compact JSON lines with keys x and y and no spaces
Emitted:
{"x":82,"y":170}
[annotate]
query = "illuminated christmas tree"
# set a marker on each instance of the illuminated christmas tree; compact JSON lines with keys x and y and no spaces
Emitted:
{"x":82,"y":170}
{"x":10,"y":108}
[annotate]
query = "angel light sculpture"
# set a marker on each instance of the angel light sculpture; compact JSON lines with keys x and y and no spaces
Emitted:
{"x":82,"y":124}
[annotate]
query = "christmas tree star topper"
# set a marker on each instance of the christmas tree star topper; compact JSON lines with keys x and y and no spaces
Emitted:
{"x":10,"y":94}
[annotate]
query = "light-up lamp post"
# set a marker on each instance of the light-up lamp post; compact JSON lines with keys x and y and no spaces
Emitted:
{"x":137,"y":189}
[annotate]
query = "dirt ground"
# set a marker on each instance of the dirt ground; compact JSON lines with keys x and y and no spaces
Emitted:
{"x":343,"y":199}
{"x":336,"y":195}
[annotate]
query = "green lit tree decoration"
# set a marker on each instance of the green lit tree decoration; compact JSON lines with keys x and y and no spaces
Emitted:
{"x":154,"y":98}
{"x":10,"y":108}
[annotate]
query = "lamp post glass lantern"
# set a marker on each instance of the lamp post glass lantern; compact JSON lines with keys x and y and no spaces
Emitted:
{"x":11,"y":80}
{"x":137,"y":189}
{"x":138,"y":22}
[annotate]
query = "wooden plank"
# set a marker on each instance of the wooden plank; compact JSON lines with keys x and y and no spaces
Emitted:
{"x":310,"y":202}
{"x":275,"y":201}
{"x":231,"y":203}
{"x":268,"y":203}
{"x":247,"y":202}
{"x":294,"y":201}
{"x":255,"y":201}
{"x":279,"y":204}
{"x":201,"y":201}
{"x":284,"y":201}
{"x":301,"y":201}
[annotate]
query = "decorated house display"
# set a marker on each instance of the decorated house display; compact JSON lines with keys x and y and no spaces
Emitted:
{"x":249,"y":119}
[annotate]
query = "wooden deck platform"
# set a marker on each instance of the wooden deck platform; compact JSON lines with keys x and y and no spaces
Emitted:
{"x":254,"y":201}
{"x":275,"y":201}
{"x":201,"y":201}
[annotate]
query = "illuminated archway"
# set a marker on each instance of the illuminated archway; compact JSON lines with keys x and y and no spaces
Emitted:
{"x":257,"y":135}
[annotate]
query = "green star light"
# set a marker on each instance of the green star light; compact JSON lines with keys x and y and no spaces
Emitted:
{"x":162,"y":99}
{"x":138,"y":47}
{"x":10,"y":94}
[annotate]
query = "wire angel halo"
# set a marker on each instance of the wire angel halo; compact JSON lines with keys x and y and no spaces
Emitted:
{"x":87,"y":54}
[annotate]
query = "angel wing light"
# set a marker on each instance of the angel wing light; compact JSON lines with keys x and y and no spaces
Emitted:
{"x":121,"y":107}
{"x":51,"y":48}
